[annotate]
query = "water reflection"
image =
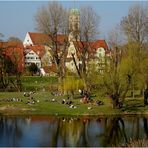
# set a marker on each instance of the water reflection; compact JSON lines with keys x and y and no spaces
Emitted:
{"x":52,"y":131}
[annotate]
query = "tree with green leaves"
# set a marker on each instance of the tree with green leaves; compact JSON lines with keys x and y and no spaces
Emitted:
{"x":119,"y":74}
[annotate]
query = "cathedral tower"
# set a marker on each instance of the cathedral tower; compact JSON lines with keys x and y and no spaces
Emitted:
{"x":74,"y":24}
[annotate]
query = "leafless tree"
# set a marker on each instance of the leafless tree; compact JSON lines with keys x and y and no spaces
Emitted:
{"x":135,"y":24}
{"x":115,"y":37}
{"x":89,"y":24}
{"x":15,"y":39}
{"x":1,"y":35}
{"x":53,"y":20}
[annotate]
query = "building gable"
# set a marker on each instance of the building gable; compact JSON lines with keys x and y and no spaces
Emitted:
{"x":27,"y":40}
{"x":31,"y":53}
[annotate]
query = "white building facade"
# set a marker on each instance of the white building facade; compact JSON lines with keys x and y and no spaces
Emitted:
{"x":32,"y":57}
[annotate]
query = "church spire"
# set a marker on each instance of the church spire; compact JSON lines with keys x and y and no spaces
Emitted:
{"x":74,"y":23}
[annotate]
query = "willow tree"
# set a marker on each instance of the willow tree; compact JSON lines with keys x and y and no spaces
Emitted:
{"x":135,"y":28}
{"x":53,"y":20}
{"x":118,"y":75}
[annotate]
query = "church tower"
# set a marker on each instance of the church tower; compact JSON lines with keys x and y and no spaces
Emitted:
{"x":74,"y":25}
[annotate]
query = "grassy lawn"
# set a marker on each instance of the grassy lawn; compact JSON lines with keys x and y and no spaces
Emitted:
{"x":37,"y":83}
{"x":46,"y":107}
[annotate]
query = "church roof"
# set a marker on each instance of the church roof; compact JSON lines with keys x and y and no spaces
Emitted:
{"x":45,"y":39}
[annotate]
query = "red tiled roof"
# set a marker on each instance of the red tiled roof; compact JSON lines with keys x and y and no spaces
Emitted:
{"x":100,"y":43}
{"x":12,"y":44}
{"x":92,"y":46}
{"x":79,"y":45}
{"x":39,"y":38}
{"x":14,"y":51}
{"x":38,"y":49}
{"x":61,"y":38}
{"x":45,"y":39}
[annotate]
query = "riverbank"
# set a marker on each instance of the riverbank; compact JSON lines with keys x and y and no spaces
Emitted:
{"x":14,"y":103}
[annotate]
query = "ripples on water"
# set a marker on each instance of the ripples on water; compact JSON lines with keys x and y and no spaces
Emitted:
{"x":39,"y":131}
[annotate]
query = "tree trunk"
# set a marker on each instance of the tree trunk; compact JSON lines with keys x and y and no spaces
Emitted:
{"x":114,"y":104}
{"x":115,"y":101}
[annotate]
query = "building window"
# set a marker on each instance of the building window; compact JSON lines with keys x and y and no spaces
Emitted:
{"x":31,"y":53}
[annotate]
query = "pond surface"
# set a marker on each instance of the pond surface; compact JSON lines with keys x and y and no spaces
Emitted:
{"x":39,"y":131}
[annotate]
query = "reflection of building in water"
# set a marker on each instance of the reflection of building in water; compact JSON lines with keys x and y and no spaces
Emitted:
{"x":28,"y":120}
{"x":73,"y":133}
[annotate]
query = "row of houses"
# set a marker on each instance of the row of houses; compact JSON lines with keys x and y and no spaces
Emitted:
{"x":36,"y":49}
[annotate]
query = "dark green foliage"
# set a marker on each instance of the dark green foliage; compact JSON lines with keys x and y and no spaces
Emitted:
{"x":10,"y":68}
{"x":33,"y":68}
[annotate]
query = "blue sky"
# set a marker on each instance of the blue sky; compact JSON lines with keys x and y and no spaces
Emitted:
{"x":17,"y":17}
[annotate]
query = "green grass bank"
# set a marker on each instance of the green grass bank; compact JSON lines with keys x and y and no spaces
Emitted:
{"x":45,"y":106}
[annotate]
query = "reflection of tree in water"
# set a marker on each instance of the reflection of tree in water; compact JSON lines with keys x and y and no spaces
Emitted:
{"x":50,"y":133}
{"x":114,"y":132}
{"x":75,"y":132}
{"x":70,"y":131}
{"x":10,"y":131}
{"x":145,"y":125}
{"x":84,"y":141}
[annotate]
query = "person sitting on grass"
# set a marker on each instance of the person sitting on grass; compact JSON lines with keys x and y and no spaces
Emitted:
{"x":63,"y":101}
{"x":84,"y":100}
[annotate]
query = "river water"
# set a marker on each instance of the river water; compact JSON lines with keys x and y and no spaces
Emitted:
{"x":52,"y":131}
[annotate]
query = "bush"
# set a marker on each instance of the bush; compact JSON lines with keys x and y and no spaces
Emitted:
{"x":33,"y":68}
{"x":72,"y":84}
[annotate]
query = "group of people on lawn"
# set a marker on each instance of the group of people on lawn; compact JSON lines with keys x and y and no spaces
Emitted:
{"x":86,"y":98}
